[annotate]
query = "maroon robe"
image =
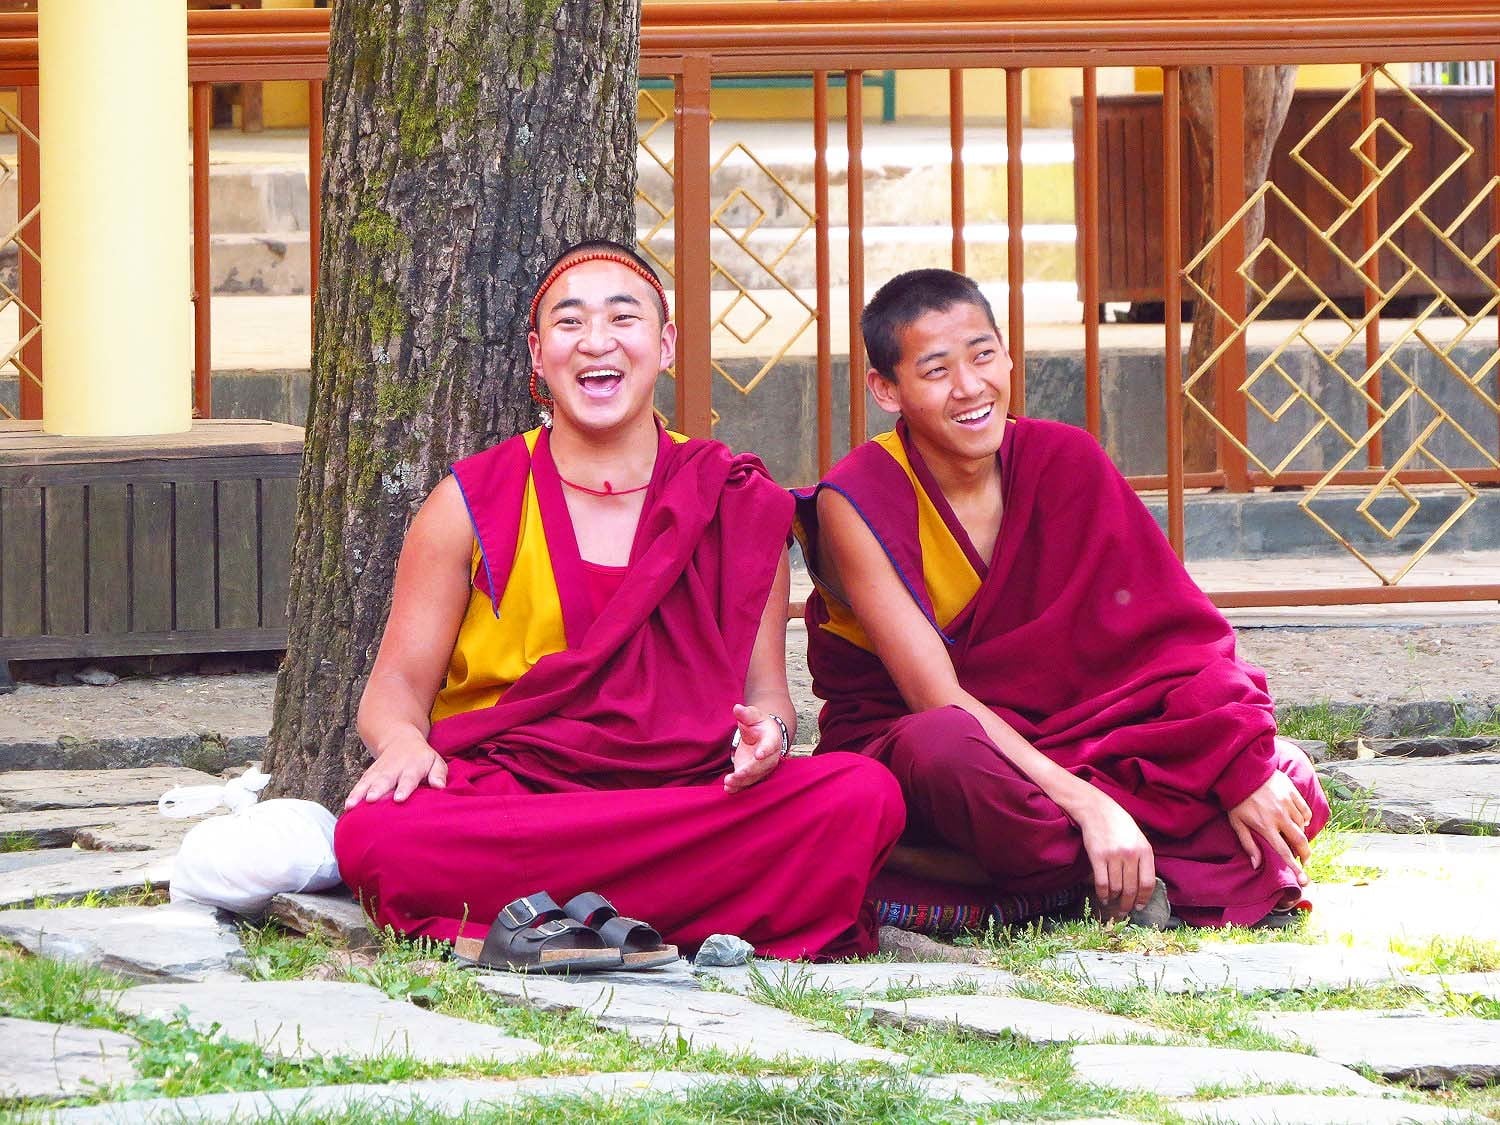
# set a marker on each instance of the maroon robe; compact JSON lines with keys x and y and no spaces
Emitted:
{"x":1089,"y":638}
{"x":602,"y":767}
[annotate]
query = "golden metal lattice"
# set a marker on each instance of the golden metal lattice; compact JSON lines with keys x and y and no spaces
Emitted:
{"x":753,"y":299}
{"x":28,"y":324}
{"x":1274,"y":392}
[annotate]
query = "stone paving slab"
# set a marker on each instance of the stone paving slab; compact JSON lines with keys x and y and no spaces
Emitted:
{"x":1177,"y":1072}
{"x":31,"y":790}
{"x":1438,"y":985}
{"x":994,"y":1016}
{"x":1457,"y":794}
{"x":1277,"y":966}
{"x":1315,"y":1109}
{"x":305,"y":1019}
{"x":1403,"y":1046}
{"x":651,"y":1012}
{"x":1426,"y":852}
{"x":864,"y":979}
{"x":57,"y":828}
{"x":456,"y":1095}
{"x":177,"y":942}
{"x":1412,"y":908}
{"x":333,"y":915}
{"x":52,"y":1060}
{"x":68,"y":874}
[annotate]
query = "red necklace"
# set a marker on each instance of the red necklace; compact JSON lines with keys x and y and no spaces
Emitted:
{"x":607,"y":490}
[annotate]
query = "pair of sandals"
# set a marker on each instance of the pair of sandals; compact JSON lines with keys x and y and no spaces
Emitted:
{"x":534,"y":934}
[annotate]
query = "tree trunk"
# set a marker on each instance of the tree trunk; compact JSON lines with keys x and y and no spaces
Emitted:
{"x":1268,"y":97}
{"x":467,"y":141}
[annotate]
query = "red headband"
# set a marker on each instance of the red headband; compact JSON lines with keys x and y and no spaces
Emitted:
{"x":566,"y":264}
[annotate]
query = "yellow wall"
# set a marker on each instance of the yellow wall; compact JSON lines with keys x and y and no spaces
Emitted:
{"x":1316,"y":76}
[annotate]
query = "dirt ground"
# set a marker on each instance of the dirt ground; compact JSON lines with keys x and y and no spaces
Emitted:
{"x":1353,"y":665}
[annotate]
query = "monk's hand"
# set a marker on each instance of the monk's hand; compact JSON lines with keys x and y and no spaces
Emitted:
{"x":1275,"y":814}
{"x":1124,"y":865}
{"x":759,"y":751}
{"x":398,"y":770}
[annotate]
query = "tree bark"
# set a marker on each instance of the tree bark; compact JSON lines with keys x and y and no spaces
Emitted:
{"x":1268,"y":97}
{"x":466,"y":142}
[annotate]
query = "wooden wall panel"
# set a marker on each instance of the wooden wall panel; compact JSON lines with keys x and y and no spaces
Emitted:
{"x":67,"y":543}
{"x":151,"y":557}
{"x":21,"y":579}
{"x":195,"y":556}
{"x":109,"y":557}
{"x":239,"y":554}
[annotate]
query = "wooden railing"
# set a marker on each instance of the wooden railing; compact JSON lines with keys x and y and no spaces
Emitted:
{"x":692,"y":43}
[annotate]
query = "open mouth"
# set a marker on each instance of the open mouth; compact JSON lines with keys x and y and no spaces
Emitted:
{"x":976,"y":417}
{"x":601,"y":383}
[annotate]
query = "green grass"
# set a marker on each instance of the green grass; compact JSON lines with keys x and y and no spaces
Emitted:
{"x":1450,"y":955}
{"x":1465,"y":727}
{"x":1321,"y":722}
{"x":17,"y":842}
{"x":146,"y":895}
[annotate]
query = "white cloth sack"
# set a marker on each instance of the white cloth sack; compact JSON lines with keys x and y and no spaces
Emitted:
{"x":239,"y":862}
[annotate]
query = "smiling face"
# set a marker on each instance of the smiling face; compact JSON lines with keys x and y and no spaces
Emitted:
{"x":952,"y":384}
{"x":600,"y":344}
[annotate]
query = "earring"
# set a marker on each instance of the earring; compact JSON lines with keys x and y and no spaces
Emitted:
{"x":544,"y":402}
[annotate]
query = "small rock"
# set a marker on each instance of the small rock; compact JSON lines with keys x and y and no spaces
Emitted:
{"x":1452,"y":794}
{"x":910,"y":946}
{"x":333,"y":915}
{"x":96,"y":677}
{"x":52,"y":1060}
{"x":722,"y":951}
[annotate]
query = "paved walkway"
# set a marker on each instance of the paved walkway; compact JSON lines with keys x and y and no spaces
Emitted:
{"x":1394,"y":1025}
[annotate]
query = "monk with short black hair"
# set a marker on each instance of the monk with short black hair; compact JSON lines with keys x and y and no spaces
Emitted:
{"x":582,"y":688}
{"x":1000,"y":621}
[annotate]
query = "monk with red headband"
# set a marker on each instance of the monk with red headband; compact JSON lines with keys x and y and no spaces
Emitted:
{"x":579,"y":711}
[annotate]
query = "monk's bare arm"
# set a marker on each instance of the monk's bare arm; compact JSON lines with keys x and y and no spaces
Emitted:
{"x":427,"y":607}
{"x":766,"y":692}
{"x":919,"y":664}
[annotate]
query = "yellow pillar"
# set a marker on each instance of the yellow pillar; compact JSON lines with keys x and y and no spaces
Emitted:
{"x":116,"y":340}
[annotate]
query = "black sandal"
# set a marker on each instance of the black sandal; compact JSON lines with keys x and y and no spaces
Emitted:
{"x":532,"y":934}
{"x":640,"y":945}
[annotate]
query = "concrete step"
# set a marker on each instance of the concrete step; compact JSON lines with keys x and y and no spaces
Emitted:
{"x":744,"y":253}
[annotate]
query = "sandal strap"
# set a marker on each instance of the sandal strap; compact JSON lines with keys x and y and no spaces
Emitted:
{"x":629,"y":935}
{"x":591,"y":908}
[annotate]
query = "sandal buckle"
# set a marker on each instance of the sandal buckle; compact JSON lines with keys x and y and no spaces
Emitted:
{"x":551,"y":929}
{"x":514,"y":918}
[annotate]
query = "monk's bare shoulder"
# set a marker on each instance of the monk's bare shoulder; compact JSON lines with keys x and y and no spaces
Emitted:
{"x":441,"y":535}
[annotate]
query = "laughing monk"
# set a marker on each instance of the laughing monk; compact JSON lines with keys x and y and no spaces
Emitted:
{"x":582,"y":683}
{"x":999,"y":620}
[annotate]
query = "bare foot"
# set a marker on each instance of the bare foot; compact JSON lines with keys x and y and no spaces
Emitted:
{"x":908,"y":946}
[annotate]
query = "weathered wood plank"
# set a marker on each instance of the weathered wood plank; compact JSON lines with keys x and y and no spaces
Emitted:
{"x":151,"y":557}
{"x":17,"y":472}
{"x":90,"y":645}
{"x":194,"y":555}
{"x":67,"y":559}
{"x":278,"y":523}
{"x":109,"y":558}
{"x":230,"y":436}
{"x":21,"y":562}
{"x":239,"y":554}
